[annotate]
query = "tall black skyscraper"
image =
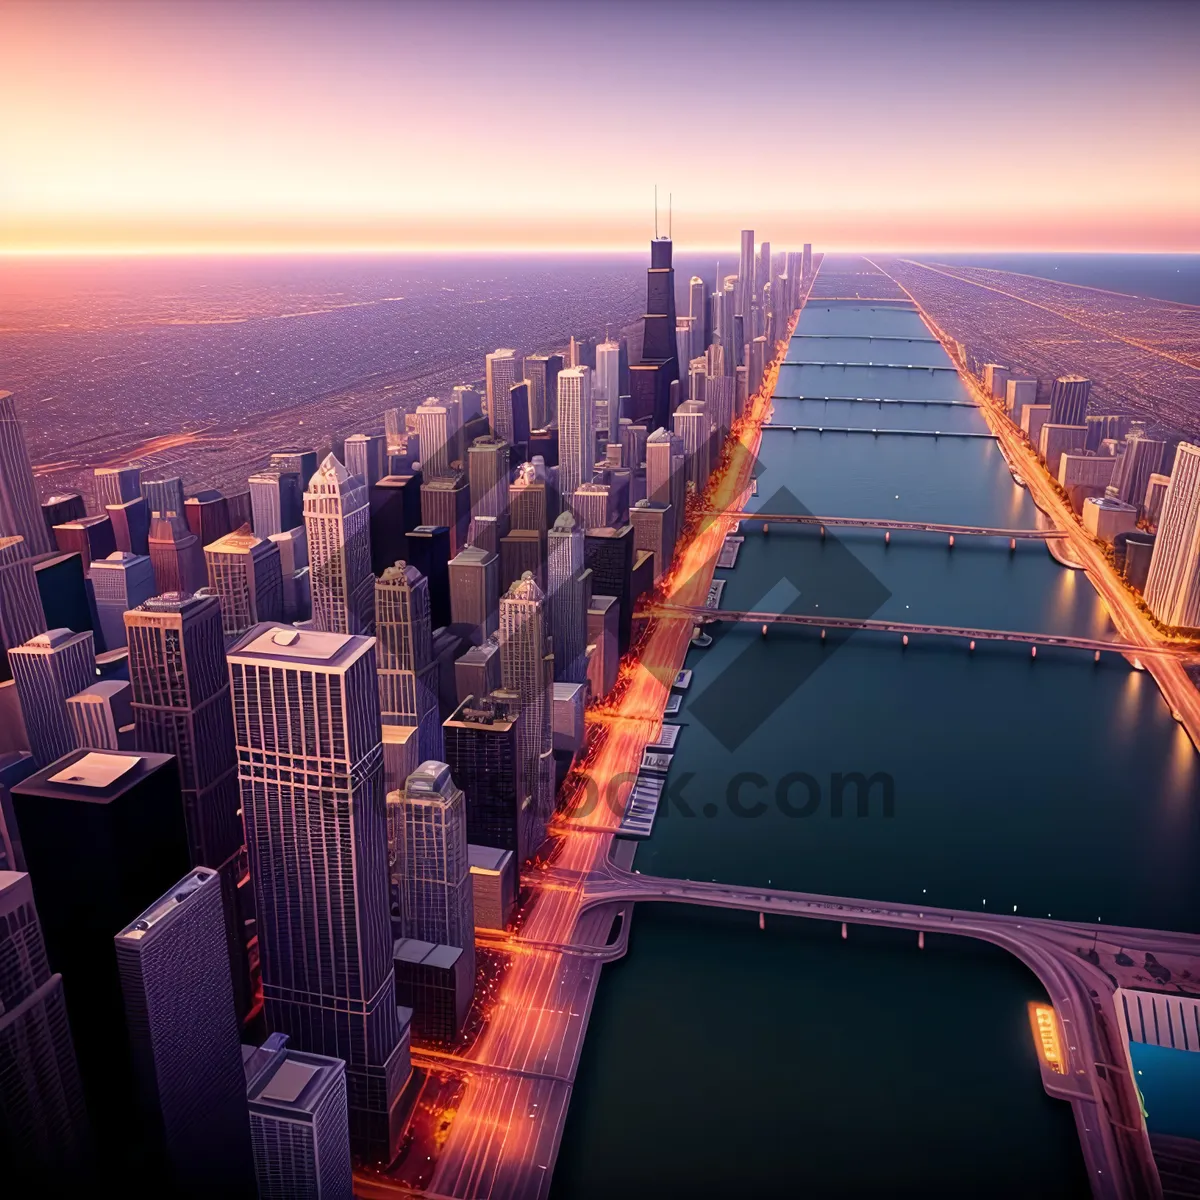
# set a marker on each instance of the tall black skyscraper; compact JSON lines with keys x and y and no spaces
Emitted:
{"x":651,"y":379}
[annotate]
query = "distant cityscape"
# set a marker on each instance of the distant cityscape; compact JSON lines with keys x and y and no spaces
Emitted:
{"x":273,"y":758}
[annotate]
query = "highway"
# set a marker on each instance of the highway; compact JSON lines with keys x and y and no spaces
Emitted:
{"x":1133,"y":626}
{"x":909,"y":629}
{"x":887,"y":523}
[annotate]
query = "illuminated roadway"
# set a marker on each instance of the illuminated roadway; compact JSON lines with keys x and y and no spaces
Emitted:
{"x":887,"y":523}
{"x":822,"y":621}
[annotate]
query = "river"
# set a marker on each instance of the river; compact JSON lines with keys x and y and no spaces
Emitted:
{"x":727,"y":1060}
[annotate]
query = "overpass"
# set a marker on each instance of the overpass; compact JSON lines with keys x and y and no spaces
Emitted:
{"x":1189,"y":653}
{"x":883,"y":523}
{"x":1070,"y":960}
{"x":933,"y":433}
{"x":881,"y":400}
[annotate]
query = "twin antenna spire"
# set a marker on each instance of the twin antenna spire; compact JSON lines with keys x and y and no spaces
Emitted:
{"x":669,"y":196}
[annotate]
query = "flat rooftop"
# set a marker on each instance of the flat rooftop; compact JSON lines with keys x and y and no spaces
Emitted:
{"x":280,"y":643}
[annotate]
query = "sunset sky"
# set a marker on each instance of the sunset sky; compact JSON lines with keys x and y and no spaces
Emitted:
{"x":289,"y":125}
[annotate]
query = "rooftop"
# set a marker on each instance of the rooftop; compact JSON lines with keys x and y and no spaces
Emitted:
{"x":168,"y":906}
{"x":286,"y":643}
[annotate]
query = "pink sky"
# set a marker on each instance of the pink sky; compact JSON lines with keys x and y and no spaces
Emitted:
{"x":175,"y":125}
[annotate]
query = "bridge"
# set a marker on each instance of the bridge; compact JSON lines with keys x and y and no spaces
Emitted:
{"x":1079,"y":965}
{"x":792,"y":362}
{"x":859,"y":337}
{"x":1188,"y":653}
{"x":882,"y":523}
{"x":933,"y":433}
{"x":881,"y":400}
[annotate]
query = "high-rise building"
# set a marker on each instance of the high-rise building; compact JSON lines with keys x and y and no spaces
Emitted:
{"x":437,"y":983}
{"x":483,"y":750}
{"x":116,"y":485}
{"x":542,"y":372}
{"x":604,"y":634}
{"x":1068,"y":400}
{"x":995,"y":380}
{"x":366,"y":456}
{"x":437,"y":427}
{"x":593,"y":506}
{"x":475,"y":593}
{"x":523,"y":650}
{"x":395,"y":504}
{"x":745,"y":284}
{"x":404,"y":654}
{"x":120,"y":582}
{"x":518,"y":404}
{"x":469,"y":400}
{"x":568,"y":591}
{"x":293,"y":566}
{"x":19,"y":512}
{"x":504,"y":368}
{"x":608,"y":554}
{"x":47,"y":670}
{"x":432,"y":863}
{"x":692,"y":427}
{"x":103,"y":835}
{"x":131,"y":525}
{"x":606,"y":384}
{"x":43,"y":1123}
{"x":576,"y":429}
{"x":488,"y":467}
{"x":61,"y":508}
{"x":1173,"y":585}
{"x":337,"y":521}
{"x":207,"y":515}
{"x":477,"y":671}
{"x":89,"y":537}
{"x":652,"y":527}
{"x":175,"y":554}
{"x":163,"y":495}
{"x":307,"y":722}
{"x":246,"y":574}
{"x":446,"y":501}
{"x":522,"y":550}
{"x":1140,"y":458}
{"x":101,"y":715}
{"x":428,"y":549}
{"x":651,"y":380}
{"x":299,"y":1126}
{"x":1156,"y":494}
{"x":528,"y":499}
{"x":720,"y":402}
{"x":21,"y":615}
{"x":699,"y":309}
{"x":276,"y":502}
{"x":184,"y":1038}
{"x":302,"y":462}
{"x":181,"y":707}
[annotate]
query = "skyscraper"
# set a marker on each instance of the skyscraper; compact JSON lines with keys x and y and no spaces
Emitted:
{"x":299,"y":1127}
{"x":700,"y":310}
{"x":504,"y":369}
{"x":247,"y":576}
{"x":745,"y":284}
{"x":652,"y":528}
{"x":1173,"y":585}
{"x":20,"y":515}
{"x":1140,"y":458}
{"x":47,"y":670}
{"x":207,"y":515}
{"x":650,"y":381}
{"x":307,"y":722}
{"x":475,"y":593}
{"x":483,"y":750}
{"x":21,"y":615}
{"x":293,"y":565}
{"x":337,"y":521}
{"x":276,"y":502}
{"x":295,"y":460}
{"x":428,"y":549}
{"x":404,"y":655}
{"x":131,"y":525}
{"x":43,"y":1123}
{"x":116,"y":485}
{"x":120,"y":582}
{"x":576,"y":429}
{"x":366,"y":456}
{"x":164,"y":495}
{"x":1068,"y":400}
{"x":175,"y":554}
{"x":103,"y":835}
{"x":692,"y":428}
{"x":528,"y":502}
{"x":432,"y":865}
{"x":437,"y":427}
{"x":523,"y":648}
{"x":542,"y":372}
{"x":608,"y":553}
{"x":446,"y":501}
{"x":488,"y":465}
{"x":567,"y":598}
{"x":187,"y":1054}
{"x":101,"y":715}
{"x":607,"y":381}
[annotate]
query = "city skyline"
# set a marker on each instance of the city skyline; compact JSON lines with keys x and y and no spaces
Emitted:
{"x":138,"y":118}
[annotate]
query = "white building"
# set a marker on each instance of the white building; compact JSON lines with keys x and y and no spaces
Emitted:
{"x":576,"y":429}
{"x":1173,"y":585}
{"x":337,"y":522}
